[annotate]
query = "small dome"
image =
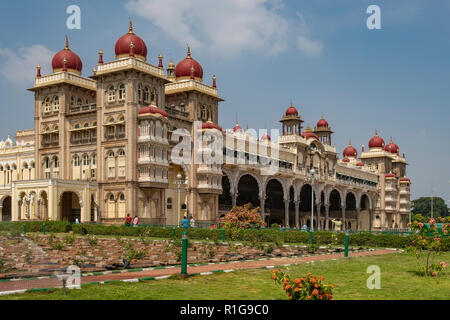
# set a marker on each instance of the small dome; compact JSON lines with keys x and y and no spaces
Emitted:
{"x":350,"y":151}
{"x":237,"y":128}
{"x":183,"y":68}
{"x":360,"y":164}
{"x":346,"y":159}
{"x":152,"y":110}
{"x":322,"y":123}
{"x":265,"y":137}
{"x":291,"y":111}
{"x":405,"y":179}
{"x":210,"y":125}
{"x":123,"y":45}
{"x":392,"y":147}
{"x":307,"y":134}
{"x":390,"y":176}
{"x":68,"y":60}
{"x":376,"y":142}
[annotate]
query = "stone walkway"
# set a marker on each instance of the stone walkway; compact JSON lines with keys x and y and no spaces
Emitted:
{"x":21,"y":285}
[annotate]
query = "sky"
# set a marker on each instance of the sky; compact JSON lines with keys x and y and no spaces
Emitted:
{"x":319,"y":54}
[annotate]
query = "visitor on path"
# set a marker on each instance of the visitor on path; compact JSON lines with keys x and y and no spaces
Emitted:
{"x":135,"y":221}
{"x":128,"y":220}
{"x":304,"y":228}
{"x":337,"y":224}
{"x":185,"y":222}
{"x":192,"y":222}
{"x":77,"y":221}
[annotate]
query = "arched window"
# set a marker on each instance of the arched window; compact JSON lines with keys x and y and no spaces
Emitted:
{"x":79,"y":102}
{"x":121,"y":153}
{"x":121,"y":92}
{"x":111,"y":94}
{"x":146,"y":94}
{"x":86,"y":160}
{"x":56,"y":162}
{"x":111,"y":154}
{"x":111,"y":197}
{"x":94,"y":159}
{"x":204,"y":113}
{"x":169,"y":203}
{"x":76,"y":126}
{"x":153,"y":96}
{"x":139,"y":97}
{"x":122,"y":197}
{"x":56,"y":103}
{"x":76,"y":161}
{"x":72,"y":101}
{"x":47,"y":104}
{"x":86,"y":125}
{"x":94,"y":124}
{"x":47,"y":163}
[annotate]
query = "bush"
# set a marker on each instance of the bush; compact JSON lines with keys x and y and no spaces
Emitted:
{"x":242,"y":218}
{"x":306,"y":288}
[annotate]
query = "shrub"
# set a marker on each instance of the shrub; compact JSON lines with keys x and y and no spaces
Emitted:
{"x":306,"y":288}
{"x":58,"y":245}
{"x":69,"y":238}
{"x":132,"y":254}
{"x":242,"y":218}
{"x":93,"y":241}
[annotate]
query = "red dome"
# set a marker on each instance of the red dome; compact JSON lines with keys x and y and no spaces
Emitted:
{"x":291,"y":111}
{"x":322,"y":123}
{"x":390,"y":175}
{"x":183,"y":68}
{"x":404,"y":179}
{"x":376,"y":142}
{"x":346,"y":159}
{"x":360,"y":164}
{"x":265,"y":137}
{"x":309,"y":134}
{"x":392,"y":147}
{"x":237,"y":128}
{"x":153,"y":110}
{"x":211,"y":125}
{"x":71,"y":59}
{"x":123,"y":45}
{"x":350,"y":151}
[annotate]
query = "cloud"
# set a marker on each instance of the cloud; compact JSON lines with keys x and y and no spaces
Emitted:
{"x":19,"y":66}
{"x":308,"y":47}
{"x":224,"y":28}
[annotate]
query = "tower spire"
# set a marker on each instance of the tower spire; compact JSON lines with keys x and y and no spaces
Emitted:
{"x":67,"y":43}
{"x":38,"y":72}
{"x":130,"y":29}
{"x":188,"y":56}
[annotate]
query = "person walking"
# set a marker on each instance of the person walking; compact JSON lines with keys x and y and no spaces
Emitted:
{"x":192,"y":222}
{"x":185,"y":222}
{"x":135,"y":221}
{"x":128,"y":220}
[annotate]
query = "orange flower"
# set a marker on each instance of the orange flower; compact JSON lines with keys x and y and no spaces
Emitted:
{"x":315,"y":292}
{"x":300,"y":285}
{"x":331,"y":286}
{"x":297,"y":289}
{"x":309,"y":297}
{"x":321,"y":278}
{"x":297,"y":281}
{"x":315,"y":285}
{"x":309,"y":274}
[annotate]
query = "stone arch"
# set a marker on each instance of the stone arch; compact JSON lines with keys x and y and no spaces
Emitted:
{"x":246,"y":194}
{"x":70,"y":204}
{"x":255,"y":176}
{"x":283,"y":186}
{"x":6,"y":208}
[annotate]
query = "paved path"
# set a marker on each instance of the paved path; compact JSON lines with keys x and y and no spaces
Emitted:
{"x":133,"y":276}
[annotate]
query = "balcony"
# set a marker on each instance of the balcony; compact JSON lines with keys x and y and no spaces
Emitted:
{"x":83,"y":108}
{"x":177,"y":113}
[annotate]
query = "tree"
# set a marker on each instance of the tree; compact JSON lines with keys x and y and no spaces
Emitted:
{"x":423,"y":206}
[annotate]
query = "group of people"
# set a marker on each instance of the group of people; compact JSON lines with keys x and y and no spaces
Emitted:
{"x":131,"y":222}
{"x":337,"y":226}
{"x":186,"y":223}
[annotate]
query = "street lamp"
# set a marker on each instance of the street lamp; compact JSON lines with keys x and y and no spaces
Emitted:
{"x":178,"y":182}
{"x":312,"y":172}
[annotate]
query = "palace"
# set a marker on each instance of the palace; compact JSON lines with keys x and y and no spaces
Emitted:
{"x":101,"y":149}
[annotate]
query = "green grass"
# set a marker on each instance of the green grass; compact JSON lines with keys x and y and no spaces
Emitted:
{"x":398,"y":281}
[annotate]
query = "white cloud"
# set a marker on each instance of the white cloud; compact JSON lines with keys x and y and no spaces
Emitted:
{"x":310,"y":48}
{"x":225,"y":28}
{"x":19,"y":66}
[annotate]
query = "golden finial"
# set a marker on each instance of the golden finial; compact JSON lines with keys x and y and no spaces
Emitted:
{"x":39,"y":67}
{"x":65,"y":61}
{"x":350,"y":142}
{"x":131,"y":44}
{"x":130,"y":30}
{"x":214,"y":78}
{"x":100,"y":52}
{"x":160,"y":56}
{"x":188,"y":52}
{"x":391,"y":140}
{"x":376,"y":133}
{"x":67,"y":43}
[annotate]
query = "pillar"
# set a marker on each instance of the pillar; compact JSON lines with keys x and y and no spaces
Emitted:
{"x":233,"y":199}
{"x":370,"y":219}
{"x":343,"y":217}
{"x":318,"y":215}
{"x":1,"y":213}
{"x":262,"y":201}
{"x":297,"y":215}
{"x":358,"y":211}
{"x":286,"y":213}
{"x":327,"y":212}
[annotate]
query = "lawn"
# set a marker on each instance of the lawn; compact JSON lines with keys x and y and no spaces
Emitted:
{"x":398,"y":281}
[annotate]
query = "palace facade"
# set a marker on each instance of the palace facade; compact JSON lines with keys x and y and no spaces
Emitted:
{"x":101,"y":149}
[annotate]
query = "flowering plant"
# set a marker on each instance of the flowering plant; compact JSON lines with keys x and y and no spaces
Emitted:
{"x":426,"y":243}
{"x":244,"y":217}
{"x":306,"y":288}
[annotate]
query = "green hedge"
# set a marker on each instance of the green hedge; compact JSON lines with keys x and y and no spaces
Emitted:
{"x":364,"y":239}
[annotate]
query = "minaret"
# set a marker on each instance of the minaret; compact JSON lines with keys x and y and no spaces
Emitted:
{"x":291,"y":122}
{"x":171,"y":71}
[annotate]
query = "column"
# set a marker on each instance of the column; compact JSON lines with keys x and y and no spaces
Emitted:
{"x":319,"y":226}
{"x":262,"y":200}
{"x":297,"y":214}
{"x":343,"y":217}
{"x":233,"y":199}
{"x":370,"y":219}
{"x":1,"y":213}
{"x":327,"y":211}
{"x":286,"y":213}
{"x":358,"y":211}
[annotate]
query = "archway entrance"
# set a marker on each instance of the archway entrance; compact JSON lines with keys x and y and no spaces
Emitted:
{"x":225,"y":201}
{"x":248,"y":191}
{"x":274,"y":204}
{"x":364,"y":218}
{"x":6,"y":210}
{"x":70,"y":207}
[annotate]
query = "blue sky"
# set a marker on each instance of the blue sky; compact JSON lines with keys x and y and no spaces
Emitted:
{"x":265,"y":53}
